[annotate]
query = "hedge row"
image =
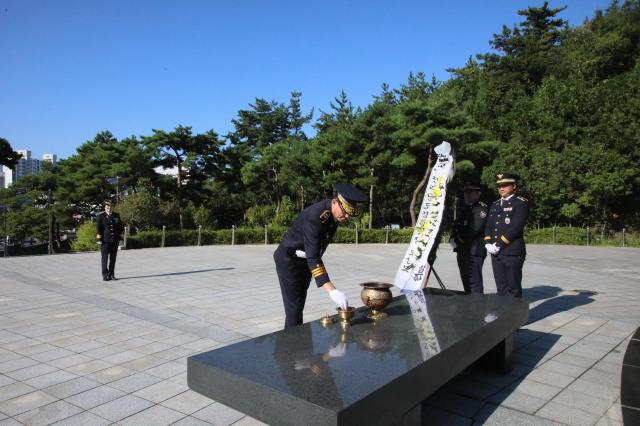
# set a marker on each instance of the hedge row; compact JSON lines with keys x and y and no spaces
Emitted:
{"x":189,"y":237}
{"x":580,"y":236}
{"x":173,"y":238}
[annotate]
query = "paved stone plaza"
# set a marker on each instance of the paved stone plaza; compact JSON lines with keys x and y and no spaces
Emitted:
{"x":75,"y":350}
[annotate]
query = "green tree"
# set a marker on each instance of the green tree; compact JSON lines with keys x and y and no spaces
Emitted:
{"x":193,"y":156}
{"x":83,"y":177}
{"x":266,"y":139}
{"x":141,"y":208}
{"x":34,"y":210}
{"x":8,"y":157}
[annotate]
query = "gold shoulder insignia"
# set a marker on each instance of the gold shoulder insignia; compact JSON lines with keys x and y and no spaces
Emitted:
{"x":324,"y":216}
{"x":483,"y":204}
{"x":522,"y":199}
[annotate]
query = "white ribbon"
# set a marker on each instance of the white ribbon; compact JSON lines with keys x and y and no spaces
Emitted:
{"x":414,"y":265}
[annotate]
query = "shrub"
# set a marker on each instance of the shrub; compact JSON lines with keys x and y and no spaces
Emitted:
{"x":259,"y":215}
{"x":344,"y":235}
{"x":85,"y":238}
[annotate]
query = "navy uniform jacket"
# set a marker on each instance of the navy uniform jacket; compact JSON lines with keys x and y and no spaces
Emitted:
{"x":311,"y":232}
{"x":109,"y":227}
{"x":505,"y":225}
{"x":468,"y":229}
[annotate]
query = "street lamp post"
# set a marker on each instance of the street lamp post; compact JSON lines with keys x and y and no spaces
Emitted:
{"x":4,"y":210}
{"x":50,"y":245}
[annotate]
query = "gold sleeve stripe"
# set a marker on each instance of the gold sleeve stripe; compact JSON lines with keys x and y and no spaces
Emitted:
{"x":503,"y":238}
{"x":487,"y":238}
{"x":317,"y":271}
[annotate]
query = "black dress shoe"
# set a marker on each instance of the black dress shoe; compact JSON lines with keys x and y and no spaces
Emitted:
{"x":105,"y":278}
{"x":113,"y":277}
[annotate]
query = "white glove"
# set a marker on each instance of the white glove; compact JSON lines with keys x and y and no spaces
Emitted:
{"x":339,"y":298}
{"x":338,"y":350}
{"x":492,"y":248}
{"x":453,"y":243}
{"x":301,"y":365}
{"x":301,"y":254}
{"x":490,"y":317}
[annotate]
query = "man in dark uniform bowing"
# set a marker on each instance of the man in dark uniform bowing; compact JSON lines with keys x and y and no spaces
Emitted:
{"x":108,"y":227}
{"x":504,"y":236}
{"x":299,"y":255}
{"x":467,"y":239}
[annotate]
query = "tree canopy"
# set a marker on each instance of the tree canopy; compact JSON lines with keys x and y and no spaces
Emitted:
{"x":558,"y":106}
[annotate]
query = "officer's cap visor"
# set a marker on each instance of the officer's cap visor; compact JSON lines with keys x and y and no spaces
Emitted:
{"x":351,"y":208}
{"x":505,"y":181}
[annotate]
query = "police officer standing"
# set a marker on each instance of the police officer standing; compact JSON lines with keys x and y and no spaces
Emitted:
{"x":299,"y":255}
{"x":467,"y":239}
{"x":504,"y":236}
{"x":109,"y":227}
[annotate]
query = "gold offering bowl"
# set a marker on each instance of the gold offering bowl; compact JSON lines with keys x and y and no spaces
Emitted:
{"x":376,"y":296}
{"x":346,"y":314}
{"x":327,"y":320}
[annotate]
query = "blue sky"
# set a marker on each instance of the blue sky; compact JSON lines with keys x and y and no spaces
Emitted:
{"x":69,"y":69}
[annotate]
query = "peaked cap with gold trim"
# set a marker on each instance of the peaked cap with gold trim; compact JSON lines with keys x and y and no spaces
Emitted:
{"x":505,"y":178}
{"x":350,"y":198}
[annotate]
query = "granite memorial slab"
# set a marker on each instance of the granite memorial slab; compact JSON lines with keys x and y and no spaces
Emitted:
{"x":364,"y":372}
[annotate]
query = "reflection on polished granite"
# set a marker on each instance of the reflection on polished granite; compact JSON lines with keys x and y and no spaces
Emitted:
{"x":373,"y":371}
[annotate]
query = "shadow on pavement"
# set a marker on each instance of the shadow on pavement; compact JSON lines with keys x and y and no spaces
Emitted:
{"x":177,"y":273}
{"x":540,"y":292}
{"x":475,"y":394}
{"x":553,"y":304}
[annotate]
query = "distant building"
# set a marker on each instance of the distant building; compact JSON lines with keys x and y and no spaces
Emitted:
{"x":7,"y":177}
{"x":26,"y":165}
{"x":51,"y":158}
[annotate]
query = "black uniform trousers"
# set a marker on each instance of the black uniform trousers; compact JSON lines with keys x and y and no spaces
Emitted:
{"x":507,"y":271}
{"x":109,"y":251}
{"x":294,"y":276}
{"x":470,"y":268}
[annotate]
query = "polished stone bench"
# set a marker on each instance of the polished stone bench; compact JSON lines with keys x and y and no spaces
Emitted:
{"x":368,"y":372}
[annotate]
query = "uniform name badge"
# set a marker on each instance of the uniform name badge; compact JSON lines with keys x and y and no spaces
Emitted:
{"x":507,"y":221}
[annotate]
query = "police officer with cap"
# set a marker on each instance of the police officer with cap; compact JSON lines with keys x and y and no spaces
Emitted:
{"x":108,"y":227}
{"x":504,"y":236}
{"x":299,"y":255}
{"x":467,"y":239}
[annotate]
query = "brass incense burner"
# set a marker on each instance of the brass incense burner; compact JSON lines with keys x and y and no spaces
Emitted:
{"x":346,"y":314}
{"x":376,"y":296}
